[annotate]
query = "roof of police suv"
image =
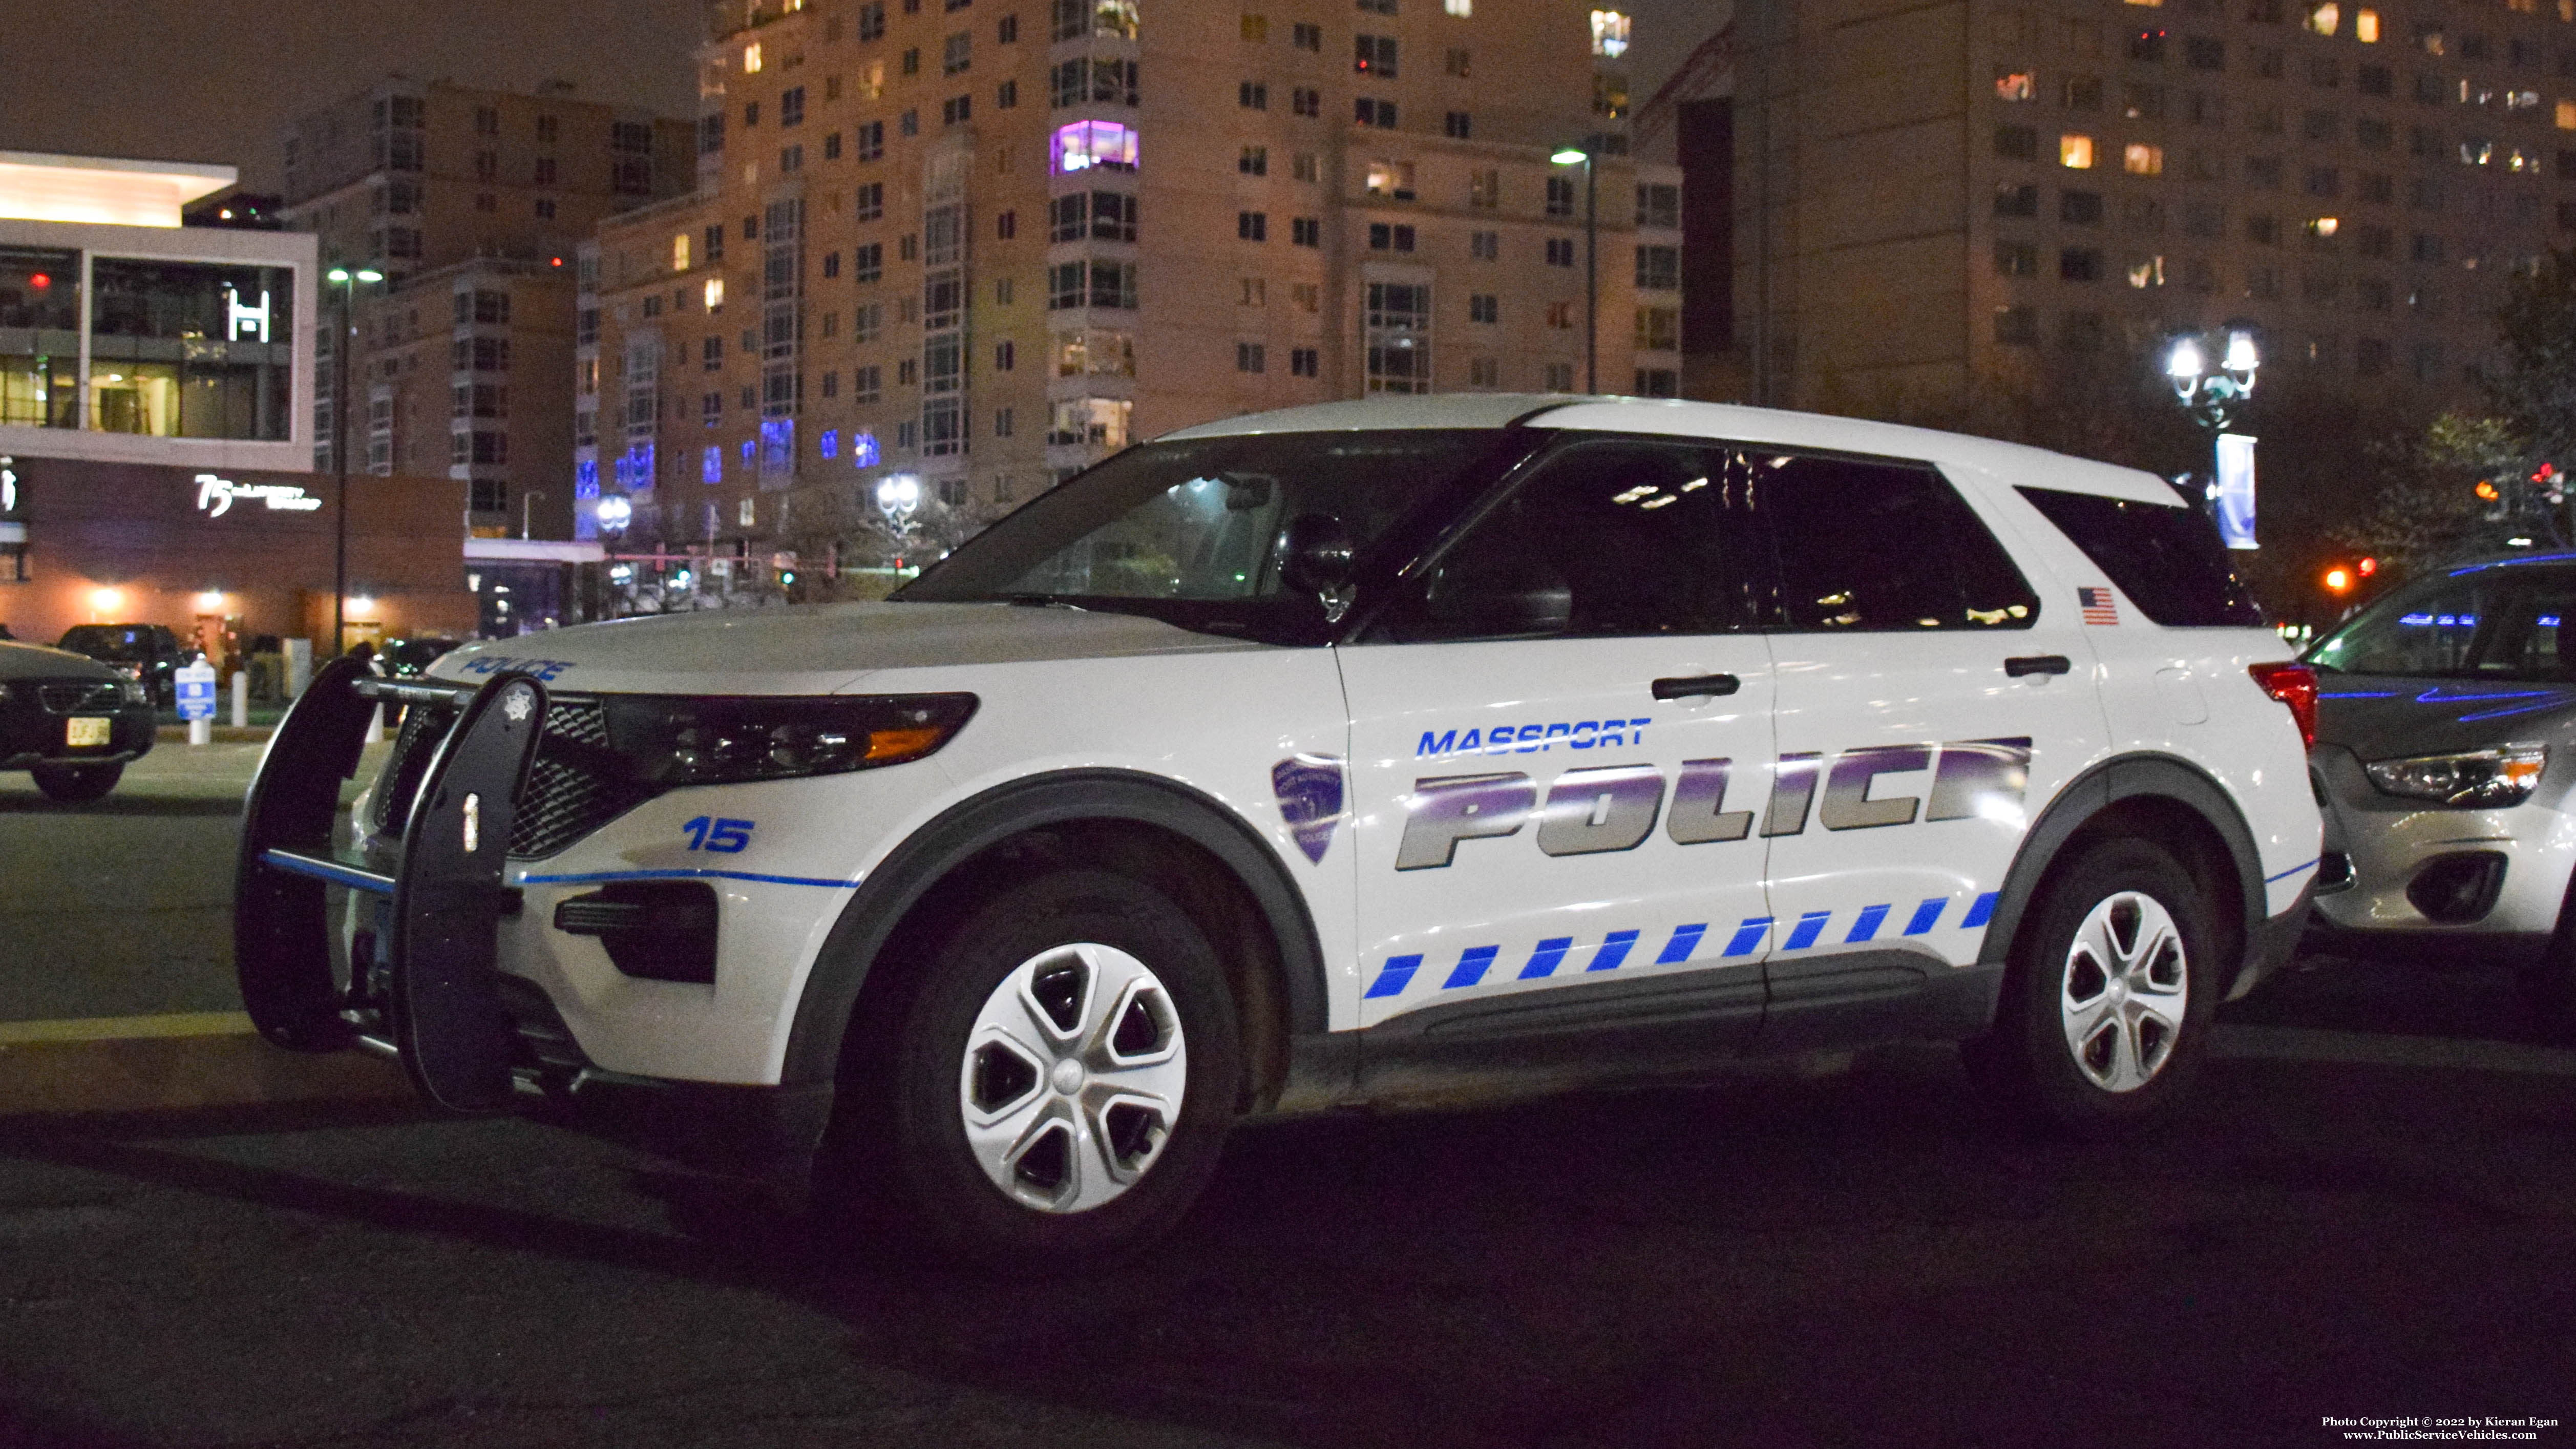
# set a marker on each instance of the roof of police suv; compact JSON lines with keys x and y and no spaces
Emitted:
{"x":1985,"y":460}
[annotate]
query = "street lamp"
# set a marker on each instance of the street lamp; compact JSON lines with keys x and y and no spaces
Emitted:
{"x":1577,"y":156}
{"x":2212,"y":397}
{"x":898,"y":495}
{"x":527,"y":511}
{"x":347,"y":281}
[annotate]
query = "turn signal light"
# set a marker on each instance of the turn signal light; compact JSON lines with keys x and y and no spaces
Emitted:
{"x":2296,"y":686}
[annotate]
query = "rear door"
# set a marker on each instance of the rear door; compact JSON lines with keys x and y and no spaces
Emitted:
{"x":1558,"y":750}
{"x":1928,"y":694}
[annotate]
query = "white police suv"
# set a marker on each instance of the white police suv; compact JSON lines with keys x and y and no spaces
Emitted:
{"x":1360,"y":753}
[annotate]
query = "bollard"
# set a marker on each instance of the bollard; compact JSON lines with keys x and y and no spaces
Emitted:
{"x":241,"y":699}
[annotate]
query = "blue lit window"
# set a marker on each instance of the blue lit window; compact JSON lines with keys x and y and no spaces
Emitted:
{"x":585,"y":477}
{"x":777,"y":442}
{"x":746,"y":449}
{"x":831,"y":442}
{"x":712,"y":470}
{"x":863,"y":450}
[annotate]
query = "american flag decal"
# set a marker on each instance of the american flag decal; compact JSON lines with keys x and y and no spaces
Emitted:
{"x":2097,"y":606}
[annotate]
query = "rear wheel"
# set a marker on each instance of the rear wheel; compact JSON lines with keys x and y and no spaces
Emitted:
{"x":77,"y":782}
{"x":1057,"y":1086}
{"x":2110,"y":992}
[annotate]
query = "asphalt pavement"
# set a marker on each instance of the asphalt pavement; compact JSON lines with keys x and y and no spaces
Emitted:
{"x":2365,"y":1213}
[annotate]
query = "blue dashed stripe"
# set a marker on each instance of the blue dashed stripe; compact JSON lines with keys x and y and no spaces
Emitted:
{"x":1396,"y":975}
{"x":1866,"y":928}
{"x":1614,"y":949}
{"x":1685,"y":940}
{"x":1810,"y":926}
{"x":1476,"y":962}
{"x":1544,"y":960}
{"x":1472,"y":964}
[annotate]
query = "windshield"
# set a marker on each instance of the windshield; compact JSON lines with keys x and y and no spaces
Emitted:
{"x":2493,"y":623}
{"x":1190,"y":531}
{"x":123,"y":642}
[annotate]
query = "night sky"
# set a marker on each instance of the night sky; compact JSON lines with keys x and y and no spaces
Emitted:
{"x":217,"y":80}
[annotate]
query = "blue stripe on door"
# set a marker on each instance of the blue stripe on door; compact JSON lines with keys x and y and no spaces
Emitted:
{"x":1866,"y":928}
{"x":1927,"y":915}
{"x":1395,"y":975}
{"x":1982,"y":911}
{"x":1810,"y":926}
{"x":1472,"y":964}
{"x":1543,"y":961}
{"x":1614,"y":949}
{"x":1685,"y":940}
{"x":1748,"y":936}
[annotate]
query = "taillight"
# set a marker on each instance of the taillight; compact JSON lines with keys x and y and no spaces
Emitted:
{"x":2296,"y":686}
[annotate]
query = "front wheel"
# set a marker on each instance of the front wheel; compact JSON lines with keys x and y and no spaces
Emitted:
{"x":2109,"y":994}
{"x":1058,"y":1086}
{"x":75,"y":783}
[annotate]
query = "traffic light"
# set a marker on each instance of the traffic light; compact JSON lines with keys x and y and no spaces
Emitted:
{"x":2366,"y":567}
{"x":2487,"y":490}
{"x":2338,"y":580}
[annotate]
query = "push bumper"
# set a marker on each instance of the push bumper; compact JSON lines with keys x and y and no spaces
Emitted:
{"x":428,"y":990}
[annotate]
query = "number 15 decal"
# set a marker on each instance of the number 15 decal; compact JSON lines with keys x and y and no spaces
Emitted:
{"x":726,"y":836}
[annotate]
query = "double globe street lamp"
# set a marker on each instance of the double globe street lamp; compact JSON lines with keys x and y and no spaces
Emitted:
{"x":2213,"y":397}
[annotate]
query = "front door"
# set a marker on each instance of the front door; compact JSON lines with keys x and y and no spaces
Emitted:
{"x":1928,"y":697}
{"x":1559,"y":753}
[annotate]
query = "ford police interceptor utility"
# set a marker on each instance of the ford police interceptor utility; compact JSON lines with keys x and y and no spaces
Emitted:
{"x":1350,"y":754}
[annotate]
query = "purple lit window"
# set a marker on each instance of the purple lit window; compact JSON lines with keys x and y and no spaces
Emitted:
{"x":712,"y":470}
{"x":863,"y":450}
{"x":831,"y":442}
{"x":1082,"y":145}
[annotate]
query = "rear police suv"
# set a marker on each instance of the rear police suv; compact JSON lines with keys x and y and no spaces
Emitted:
{"x":1362,"y":753}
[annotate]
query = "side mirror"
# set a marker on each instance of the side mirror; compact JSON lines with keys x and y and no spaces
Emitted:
{"x":1317,"y":554}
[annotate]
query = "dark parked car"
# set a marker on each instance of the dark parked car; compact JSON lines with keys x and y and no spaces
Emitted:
{"x":71,"y":721}
{"x":410,"y":658}
{"x":148,"y":652}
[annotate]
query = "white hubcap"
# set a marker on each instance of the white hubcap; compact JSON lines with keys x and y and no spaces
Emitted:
{"x":1073,"y":1077}
{"x":2124,"y":992}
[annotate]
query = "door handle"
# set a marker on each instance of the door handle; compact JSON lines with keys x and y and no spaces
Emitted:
{"x":2021,"y":664}
{"x":1694,"y":686}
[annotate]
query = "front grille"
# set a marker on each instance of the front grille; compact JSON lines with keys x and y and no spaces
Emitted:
{"x":574,"y":787}
{"x":75,"y":698}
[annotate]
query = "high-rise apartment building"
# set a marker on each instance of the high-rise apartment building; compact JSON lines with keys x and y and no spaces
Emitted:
{"x":969,"y":247}
{"x":1929,"y":195}
{"x":472,"y":205}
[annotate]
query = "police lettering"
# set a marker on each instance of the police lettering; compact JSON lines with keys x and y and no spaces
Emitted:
{"x":1531,"y":739}
{"x":1595,"y":810}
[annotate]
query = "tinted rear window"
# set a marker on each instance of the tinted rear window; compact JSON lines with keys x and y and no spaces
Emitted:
{"x":2165,"y":557}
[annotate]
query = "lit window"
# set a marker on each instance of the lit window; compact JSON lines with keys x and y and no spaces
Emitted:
{"x":1082,"y":145}
{"x":2324,"y":226}
{"x":751,"y":59}
{"x":2323,"y":18}
{"x":2142,"y":160}
{"x":2567,"y":115}
{"x":2146,"y":2}
{"x":1391,"y":179}
{"x":715,"y":293}
{"x":2014,"y":85}
{"x":1464,"y":8}
{"x":2075,"y":153}
{"x":1609,"y":34}
{"x":2149,"y":273}
{"x":2365,"y":26}
{"x":680,"y":252}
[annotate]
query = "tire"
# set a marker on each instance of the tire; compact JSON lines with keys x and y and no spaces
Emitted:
{"x":1020,"y":1111}
{"x":2091,"y":1046}
{"x":75,"y":783}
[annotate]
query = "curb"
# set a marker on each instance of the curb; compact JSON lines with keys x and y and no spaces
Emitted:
{"x":164,"y":1063}
{"x":223,"y":734}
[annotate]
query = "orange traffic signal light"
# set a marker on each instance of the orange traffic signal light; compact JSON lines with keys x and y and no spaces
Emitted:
{"x":2338,"y":579}
{"x":2487,"y":490}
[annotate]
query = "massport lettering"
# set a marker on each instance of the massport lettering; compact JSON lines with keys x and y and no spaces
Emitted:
{"x":1610,"y":808}
{"x":1530,"y":739}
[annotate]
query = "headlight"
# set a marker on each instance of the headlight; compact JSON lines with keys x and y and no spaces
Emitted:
{"x":135,"y":693}
{"x":670,"y":742}
{"x":2476,"y":779}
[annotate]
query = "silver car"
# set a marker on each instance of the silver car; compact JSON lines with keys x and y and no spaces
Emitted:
{"x":2445,"y":760}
